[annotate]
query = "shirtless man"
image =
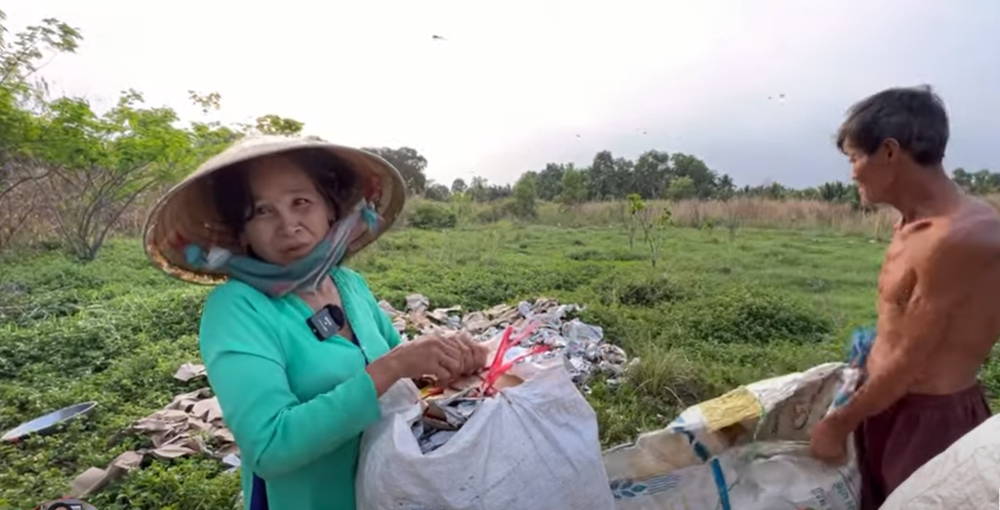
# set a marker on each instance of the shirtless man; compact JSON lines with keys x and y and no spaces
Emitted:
{"x":938,"y":296}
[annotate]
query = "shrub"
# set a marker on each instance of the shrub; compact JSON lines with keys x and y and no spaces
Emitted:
{"x":648,"y":292}
{"x":497,"y":211}
{"x":753,"y":316}
{"x":608,"y":255}
{"x":429,"y":216}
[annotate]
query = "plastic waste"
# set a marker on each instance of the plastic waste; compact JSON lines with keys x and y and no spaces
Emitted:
{"x":966,"y":476}
{"x":533,"y":445}
{"x":745,"y":450}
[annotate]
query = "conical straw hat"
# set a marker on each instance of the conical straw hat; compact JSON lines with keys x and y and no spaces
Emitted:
{"x":187,"y":214}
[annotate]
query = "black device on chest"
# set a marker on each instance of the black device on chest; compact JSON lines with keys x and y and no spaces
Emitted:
{"x":328,"y":321}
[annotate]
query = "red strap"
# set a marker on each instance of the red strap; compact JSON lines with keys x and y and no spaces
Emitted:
{"x":501,"y":350}
{"x":537,"y":349}
{"x":498,"y":367}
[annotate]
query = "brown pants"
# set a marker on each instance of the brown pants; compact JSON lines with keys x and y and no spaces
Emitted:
{"x":893,"y":444}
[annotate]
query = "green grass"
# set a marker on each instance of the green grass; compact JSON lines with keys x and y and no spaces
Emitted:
{"x":716,"y":312}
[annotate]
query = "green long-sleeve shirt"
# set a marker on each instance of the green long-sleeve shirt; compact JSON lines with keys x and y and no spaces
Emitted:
{"x":295,"y":405}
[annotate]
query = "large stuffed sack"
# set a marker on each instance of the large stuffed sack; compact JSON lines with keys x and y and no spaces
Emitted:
{"x":966,"y":476}
{"x":534,"y":445}
{"x":745,"y":450}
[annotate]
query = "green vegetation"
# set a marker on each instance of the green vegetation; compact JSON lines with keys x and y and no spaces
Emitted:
{"x":716,"y":312}
{"x":708,"y":285}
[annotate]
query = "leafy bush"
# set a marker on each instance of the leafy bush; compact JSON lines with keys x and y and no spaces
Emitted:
{"x":607,"y":255}
{"x":753,"y":316}
{"x":649,"y":292}
{"x":428,"y":216}
{"x":495,"y":211}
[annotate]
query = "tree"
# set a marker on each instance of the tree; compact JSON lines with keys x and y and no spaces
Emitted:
{"x":477,"y":189}
{"x":657,"y":174}
{"x":20,"y":95}
{"x":271,"y":124}
{"x":437,"y":192}
{"x":682,"y":188}
{"x":652,"y":225}
{"x":601,"y":176}
{"x":19,"y":58}
{"x":102,"y":163}
{"x":704,"y":179}
{"x":574,"y":186}
{"x":458,"y":186}
{"x":207,"y":102}
{"x":550,"y":181}
{"x":651,"y":173}
{"x":980,"y":183}
{"x":525,"y":195}
{"x":776,"y":191}
{"x":985,"y":182}
{"x":809,"y":194}
{"x":834,"y":192}
{"x":726,"y":188}
{"x":211,"y":137}
{"x":86,"y":168}
{"x":611,"y":178}
{"x":498,"y":192}
{"x":409,"y":162}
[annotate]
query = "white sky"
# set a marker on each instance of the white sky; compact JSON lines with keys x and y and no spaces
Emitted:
{"x":517,"y":81}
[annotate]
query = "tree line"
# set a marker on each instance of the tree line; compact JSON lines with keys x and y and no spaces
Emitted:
{"x":74,"y":172}
{"x":659,"y":175}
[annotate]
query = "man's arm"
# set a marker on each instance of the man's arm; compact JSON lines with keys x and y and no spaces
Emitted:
{"x":944,"y":280}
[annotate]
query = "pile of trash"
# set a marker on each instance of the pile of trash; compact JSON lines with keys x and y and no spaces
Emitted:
{"x":582,"y":345}
{"x":747,"y":449}
{"x":190,"y":424}
{"x":193,"y":424}
{"x":545,"y":338}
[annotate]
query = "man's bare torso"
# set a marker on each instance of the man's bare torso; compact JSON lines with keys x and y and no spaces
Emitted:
{"x":972,"y":327}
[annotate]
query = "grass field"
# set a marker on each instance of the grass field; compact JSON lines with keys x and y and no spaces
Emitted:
{"x":717,"y":311}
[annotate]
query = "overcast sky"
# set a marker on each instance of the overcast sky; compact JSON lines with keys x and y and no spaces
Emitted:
{"x":516,"y":81}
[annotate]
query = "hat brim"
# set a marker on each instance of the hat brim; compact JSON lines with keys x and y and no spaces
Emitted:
{"x":186,"y":214}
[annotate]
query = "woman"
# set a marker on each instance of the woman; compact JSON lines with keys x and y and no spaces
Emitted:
{"x":296,"y":348}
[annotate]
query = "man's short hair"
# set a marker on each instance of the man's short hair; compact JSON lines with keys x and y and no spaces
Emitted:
{"x":913,"y":116}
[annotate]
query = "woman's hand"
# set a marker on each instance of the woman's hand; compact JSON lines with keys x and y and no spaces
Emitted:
{"x":446,"y":358}
{"x":430,"y":355}
{"x":455,"y":347}
{"x":473,"y":353}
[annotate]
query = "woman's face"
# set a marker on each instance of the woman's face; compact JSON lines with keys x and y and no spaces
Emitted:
{"x":290,"y":216}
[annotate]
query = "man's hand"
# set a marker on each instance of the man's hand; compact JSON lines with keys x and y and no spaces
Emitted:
{"x":829,"y":441}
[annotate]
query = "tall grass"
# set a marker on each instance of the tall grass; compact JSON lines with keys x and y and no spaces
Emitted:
{"x":734,"y":214}
{"x":26,"y":216}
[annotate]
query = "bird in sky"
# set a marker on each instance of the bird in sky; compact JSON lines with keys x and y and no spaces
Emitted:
{"x":438,"y":38}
